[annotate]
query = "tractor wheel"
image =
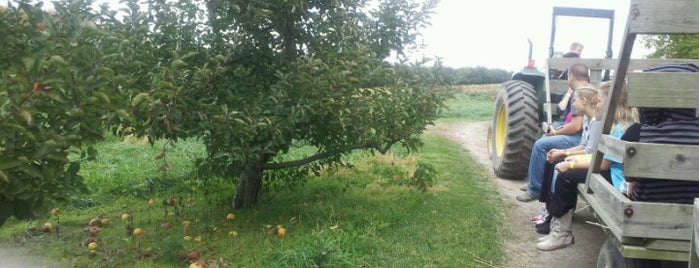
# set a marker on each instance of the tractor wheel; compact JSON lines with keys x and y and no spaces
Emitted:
{"x":610,"y":257}
{"x":514,"y":129}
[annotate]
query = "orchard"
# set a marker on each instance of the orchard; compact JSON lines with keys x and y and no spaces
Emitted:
{"x":251,"y":79}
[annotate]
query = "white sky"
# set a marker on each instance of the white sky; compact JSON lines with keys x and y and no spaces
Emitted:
{"x":494,"y":33}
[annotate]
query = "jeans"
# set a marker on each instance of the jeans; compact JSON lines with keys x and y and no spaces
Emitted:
{"x":537,"y":161}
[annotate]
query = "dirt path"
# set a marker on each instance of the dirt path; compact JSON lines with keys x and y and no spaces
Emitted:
{"x":522,"y":236}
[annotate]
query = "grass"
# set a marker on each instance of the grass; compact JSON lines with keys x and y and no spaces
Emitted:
{"x":471,"y":103}
{"x":368,"y":216}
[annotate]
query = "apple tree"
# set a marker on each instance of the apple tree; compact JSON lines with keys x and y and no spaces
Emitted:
{"x":279,"y":74}
{"x":54,"y":100}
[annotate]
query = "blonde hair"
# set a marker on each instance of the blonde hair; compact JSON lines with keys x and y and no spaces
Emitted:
{"x":587,"y":92}
{"x":624,"y":115}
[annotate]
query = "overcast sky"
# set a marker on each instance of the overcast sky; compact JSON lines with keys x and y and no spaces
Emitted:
{"x":494,"y":33}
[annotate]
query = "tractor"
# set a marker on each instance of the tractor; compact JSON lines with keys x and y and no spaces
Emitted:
{"x":523,"y":104}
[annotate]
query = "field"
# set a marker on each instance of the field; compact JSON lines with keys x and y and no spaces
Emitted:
{"x":471,"y":103}
{"x":380,"y":212}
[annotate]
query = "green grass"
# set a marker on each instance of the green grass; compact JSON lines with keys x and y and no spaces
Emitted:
{"x":468,"y":107}
{"x":367,"y":216}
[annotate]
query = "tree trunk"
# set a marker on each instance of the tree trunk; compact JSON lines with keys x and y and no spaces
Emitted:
{"x":249,"y":185}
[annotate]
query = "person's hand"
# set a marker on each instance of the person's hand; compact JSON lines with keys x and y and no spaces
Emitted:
{"x":551,"y":131}
{"x":563,"y":166}
{"x":554,"y":154}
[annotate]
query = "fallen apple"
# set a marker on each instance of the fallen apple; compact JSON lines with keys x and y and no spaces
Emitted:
{"x":138,"y":232}
{"x":95,"y":222}
{"x":193,"y":255}
{"x":94,"y":230}
{"x":46,"y":228}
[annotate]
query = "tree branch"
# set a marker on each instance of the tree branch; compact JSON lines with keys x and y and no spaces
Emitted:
{"x":321,"y":155}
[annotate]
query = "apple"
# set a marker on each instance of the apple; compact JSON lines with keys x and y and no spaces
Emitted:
{"x":281,"y":232}
{"x":95,"y":222}
{"x":170,"y":201}
{"x":125,"y":216}
{"x":46,"y":228}
{"x":230,"y":216}
{"x":232,"y":233}
{"x":94,"y":230}
{"x":198,"y":238}
{"x":55,"y":211}
{"x":104,"y":221}
{"x":151,"y":202}
{"x":92,"y":246}
{"x":138,"y":232}
{"x":88,"y":241}
{"x":193,"y":255}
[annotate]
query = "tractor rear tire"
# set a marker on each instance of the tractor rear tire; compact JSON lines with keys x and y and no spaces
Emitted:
{"x":514,"y":129}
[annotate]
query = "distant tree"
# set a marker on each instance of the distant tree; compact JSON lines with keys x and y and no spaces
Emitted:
{"x":673,"y":46}
{"x":469,"y":75}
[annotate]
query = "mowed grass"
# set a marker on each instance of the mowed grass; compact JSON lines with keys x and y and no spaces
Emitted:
{"x":470,"y":103}
{"x":369,"y":215}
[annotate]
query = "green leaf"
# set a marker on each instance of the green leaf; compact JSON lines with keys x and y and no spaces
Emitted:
{"x":56,"y":59}
{"x":4,"y":177}
{"x":32,"y":171}
{"x":9,"y":163}
{"x":178,"y":63}
{"x":138,"y":99}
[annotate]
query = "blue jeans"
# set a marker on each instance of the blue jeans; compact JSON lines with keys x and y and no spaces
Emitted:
{"x":537,"y":161}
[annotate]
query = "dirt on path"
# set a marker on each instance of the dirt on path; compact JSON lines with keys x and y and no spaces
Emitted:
{"x":520,"y":234}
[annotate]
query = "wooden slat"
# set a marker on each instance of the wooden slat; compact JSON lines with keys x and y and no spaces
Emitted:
{"x":694,"y":249}
{"x":663,"y":17}
{"x":598,"y":197}
{"x":565,"y":63}
{"x":662,"y":161}
{"x":663,"y":90}
{"x":612,"y":64}
{"x":613,"y":147}
{"x":658,"y":220}
{"x":670,"y":250}
{"x":648,"y":220}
